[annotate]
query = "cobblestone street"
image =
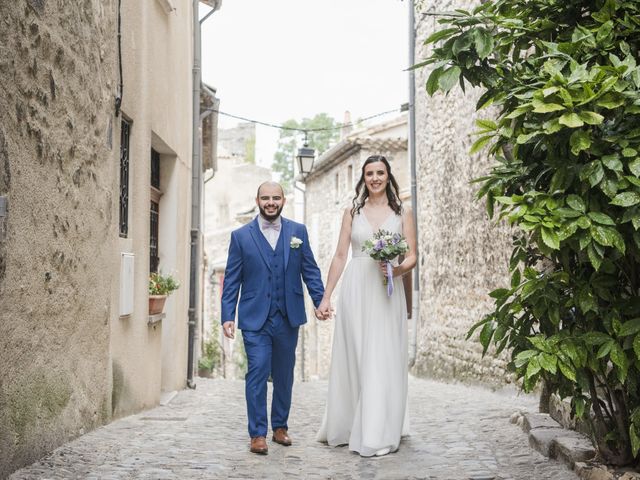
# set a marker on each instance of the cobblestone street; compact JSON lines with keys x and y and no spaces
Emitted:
{"x":458,"y":432}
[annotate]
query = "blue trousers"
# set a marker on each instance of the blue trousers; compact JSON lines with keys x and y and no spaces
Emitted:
{"x":270,"y":350}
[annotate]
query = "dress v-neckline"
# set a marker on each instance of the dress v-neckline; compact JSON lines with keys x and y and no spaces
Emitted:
{"x":366,"y":219}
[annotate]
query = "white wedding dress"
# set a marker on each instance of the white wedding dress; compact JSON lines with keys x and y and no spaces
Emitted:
{"x":367,"y":396}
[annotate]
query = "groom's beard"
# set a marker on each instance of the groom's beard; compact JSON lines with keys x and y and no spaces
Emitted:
{"x":270,"y":218}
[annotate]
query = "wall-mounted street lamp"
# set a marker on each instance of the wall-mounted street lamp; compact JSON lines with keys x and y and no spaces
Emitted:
{"x":305,"y":158}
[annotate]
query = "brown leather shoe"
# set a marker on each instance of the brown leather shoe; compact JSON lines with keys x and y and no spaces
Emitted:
{"x":280,"y":436}
{"x":259,"y":445}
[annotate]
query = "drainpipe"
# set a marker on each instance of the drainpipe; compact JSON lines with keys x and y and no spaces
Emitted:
{"x":415,"y":297}
{"x":196,"y":188}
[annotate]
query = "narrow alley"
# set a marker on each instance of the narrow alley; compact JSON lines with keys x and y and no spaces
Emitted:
{"x":458,"y":432}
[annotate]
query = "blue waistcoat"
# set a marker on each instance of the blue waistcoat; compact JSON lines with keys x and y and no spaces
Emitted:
{"x":276,"y":277}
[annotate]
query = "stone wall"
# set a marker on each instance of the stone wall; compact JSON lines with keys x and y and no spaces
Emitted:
{"x":463,"y":255}
{"x":58,"y":174}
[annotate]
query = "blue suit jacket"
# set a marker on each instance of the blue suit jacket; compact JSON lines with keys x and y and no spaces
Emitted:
{"x":248,"y":269}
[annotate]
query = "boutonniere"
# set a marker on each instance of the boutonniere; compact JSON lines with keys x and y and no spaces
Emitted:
{"x":295,"y":242}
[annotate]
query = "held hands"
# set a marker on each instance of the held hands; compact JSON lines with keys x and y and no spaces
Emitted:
{"x":229,"y":329}
{"x":324,"y":310}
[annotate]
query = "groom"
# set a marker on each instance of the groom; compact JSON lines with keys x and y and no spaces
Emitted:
{"x":268,"y":259}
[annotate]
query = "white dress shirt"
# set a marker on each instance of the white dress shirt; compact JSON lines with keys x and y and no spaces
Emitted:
{"x":270,"y":234}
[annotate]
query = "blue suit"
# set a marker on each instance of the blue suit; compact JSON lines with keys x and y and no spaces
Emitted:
{"x":270,"y":310}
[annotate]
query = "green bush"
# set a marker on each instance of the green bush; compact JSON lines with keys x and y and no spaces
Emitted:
{"x":563,"y":79}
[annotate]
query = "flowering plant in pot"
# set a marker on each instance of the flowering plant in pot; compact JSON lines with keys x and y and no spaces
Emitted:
{"x":160,"y":286}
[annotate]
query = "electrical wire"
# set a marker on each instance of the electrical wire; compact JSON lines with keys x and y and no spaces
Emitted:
{"x":307,"y":130}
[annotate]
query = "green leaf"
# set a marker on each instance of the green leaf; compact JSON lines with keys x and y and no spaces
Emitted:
{"x":619,"y":358}
{"x":439,"y":35}
{"x":432,"y":81}
{"x":515,"y":278}
{"x":635,"y":439}
{"x":533,"y":368}
{"x":634,"y":166}
{"x":626,"y":199}
{"x":480,"y":143}
{"x":609,"y":237}
{"x":580,"y":140}
{"x":571,"y":120}
{"x":461,"y":44}
{"x":594,"y":257}
{"x":629,"y":152}
{"x":567,"y":370}
{"x":449,"y":78}
{"x":610,"y":101}
{"x":525,"y":137}
{"x":521,"y":110}
{"x":591,"y":118}
{"x":630,"y":327}
{"x":500,"y":293}
{"x":583,"y":222}
{"x":550,"y":238}
{"x":486,"y":124}
{"x":567,"y":213}
{"x":548,"y":362}
{"x":596,"y":338}
{"x":605,"y":348}
{"x":576,"y":202}
{"x":601,"y":218}
{"x":523,"y":357}
{"x":539,"y":342}
{"x":636,"y":346}
{"x":604,"y":31}
{"x":612,"y":162}
{"x":483,"y":42}
{"x":542,"y":107}
{"x":505,"y":200}
{"x":594,"y":172}
{"x":552,"y":126}
{"x":485,"y":336}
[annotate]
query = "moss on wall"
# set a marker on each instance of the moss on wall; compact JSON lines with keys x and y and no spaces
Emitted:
{"x":37,"y":400}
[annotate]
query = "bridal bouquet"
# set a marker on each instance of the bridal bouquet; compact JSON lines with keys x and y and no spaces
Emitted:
{"x":384,"y":247}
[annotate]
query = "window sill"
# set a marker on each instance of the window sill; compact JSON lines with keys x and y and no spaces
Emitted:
{"x":167,"y":5}
{"x":153,"y":319}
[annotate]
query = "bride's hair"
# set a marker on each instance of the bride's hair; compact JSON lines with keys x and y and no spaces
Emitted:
{"x":362,"y":193}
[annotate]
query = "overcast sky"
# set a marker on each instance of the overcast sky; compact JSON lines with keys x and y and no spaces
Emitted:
{"x":281,"y":59}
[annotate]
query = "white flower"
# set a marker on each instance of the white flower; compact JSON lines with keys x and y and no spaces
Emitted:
{"x":295,"y":242}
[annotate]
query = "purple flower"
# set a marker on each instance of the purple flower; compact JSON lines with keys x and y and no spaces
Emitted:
{"x":396,"y":238}
{"x":379,"y":245}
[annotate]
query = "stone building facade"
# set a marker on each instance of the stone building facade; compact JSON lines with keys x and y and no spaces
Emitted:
{"x":157,"y":53}
{"x":72,"y":355}
{"x":463,"y":254}
{"x":330,"y":188}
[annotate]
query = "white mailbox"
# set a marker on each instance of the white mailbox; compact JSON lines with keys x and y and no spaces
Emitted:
{"x":126,"y":283}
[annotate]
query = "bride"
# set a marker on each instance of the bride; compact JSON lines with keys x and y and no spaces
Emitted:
{"x":367,"y":396}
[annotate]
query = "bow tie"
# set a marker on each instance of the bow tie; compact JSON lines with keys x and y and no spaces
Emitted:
{"x":272,"y":226}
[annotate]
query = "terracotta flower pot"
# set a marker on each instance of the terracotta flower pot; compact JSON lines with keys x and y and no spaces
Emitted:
{"x":156,"y":304}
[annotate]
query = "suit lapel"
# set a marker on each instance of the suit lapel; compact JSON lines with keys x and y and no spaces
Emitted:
{"x":286,"y":235}
{"x":254,"y":228}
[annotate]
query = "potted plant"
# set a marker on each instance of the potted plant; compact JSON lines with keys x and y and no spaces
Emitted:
{"x":205,"y":367}
{"x":160,"y":286}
